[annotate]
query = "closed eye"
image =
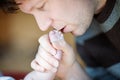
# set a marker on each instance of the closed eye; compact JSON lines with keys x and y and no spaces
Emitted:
{"x":41,"y":5}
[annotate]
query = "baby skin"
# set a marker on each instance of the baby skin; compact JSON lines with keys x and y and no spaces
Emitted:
{"x":48,"y":57}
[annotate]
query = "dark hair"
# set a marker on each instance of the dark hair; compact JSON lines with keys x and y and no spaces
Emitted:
{"x":8,"y":6}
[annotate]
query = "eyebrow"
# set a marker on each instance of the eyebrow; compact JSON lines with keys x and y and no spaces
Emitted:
{"x":30,"y":4}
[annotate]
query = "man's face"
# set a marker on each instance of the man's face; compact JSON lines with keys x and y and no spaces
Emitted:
{"x":66,"y":15}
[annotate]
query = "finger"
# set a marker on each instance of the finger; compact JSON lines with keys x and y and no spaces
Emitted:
{"x":44,"y":64}
{"x":47,"y":57}
{"x":36,"y":66}
{"x":45,"y":43}
{"x":36,"y":75}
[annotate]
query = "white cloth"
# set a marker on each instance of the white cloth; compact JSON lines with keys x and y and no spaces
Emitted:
{"x":6,"y":78}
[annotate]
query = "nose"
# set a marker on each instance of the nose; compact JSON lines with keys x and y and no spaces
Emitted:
{"x":43,"y":20}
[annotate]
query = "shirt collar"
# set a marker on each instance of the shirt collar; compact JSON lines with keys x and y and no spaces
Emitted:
{"x":105,"y":13}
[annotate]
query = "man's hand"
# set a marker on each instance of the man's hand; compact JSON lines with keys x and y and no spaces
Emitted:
{"x":68,"y":55}
{"x":54,"y":55}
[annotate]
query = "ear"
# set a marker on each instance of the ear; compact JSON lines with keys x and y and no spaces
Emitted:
{"x":100,"y":5}
{"x":24,"y":6}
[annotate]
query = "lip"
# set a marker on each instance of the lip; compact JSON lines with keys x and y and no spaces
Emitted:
{"x":63,"y":29}
{"x":59,"y":28}
{"x":66,"y":29}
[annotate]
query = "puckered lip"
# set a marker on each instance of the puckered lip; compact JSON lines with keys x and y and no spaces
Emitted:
{"x":60,"y":28}
{"x":66,"y":29}
{"x":63,"y":29}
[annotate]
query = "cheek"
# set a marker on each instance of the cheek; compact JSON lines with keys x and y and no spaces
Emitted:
{"x":64,"y":15}
{"x":61,"y":10}
{"x":74,"y":12}
{"x":58,"y":13}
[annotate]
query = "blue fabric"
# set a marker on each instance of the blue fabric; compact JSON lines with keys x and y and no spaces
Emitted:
{"x":100,"y":73}
{"x":92,"y":31}
{"x":115,"y":70}
{"x":5,"y":77}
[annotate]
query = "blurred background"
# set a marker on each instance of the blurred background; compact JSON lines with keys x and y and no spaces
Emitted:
{"x":19,"y":36}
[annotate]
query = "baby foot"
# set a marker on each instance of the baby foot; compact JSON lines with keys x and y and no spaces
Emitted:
{"x":56,"y":38}
{"x":55,"y":35}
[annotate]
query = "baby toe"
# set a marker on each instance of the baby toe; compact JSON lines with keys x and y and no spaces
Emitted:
{"x":55,"y":35}
{"x":56,"y":38}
